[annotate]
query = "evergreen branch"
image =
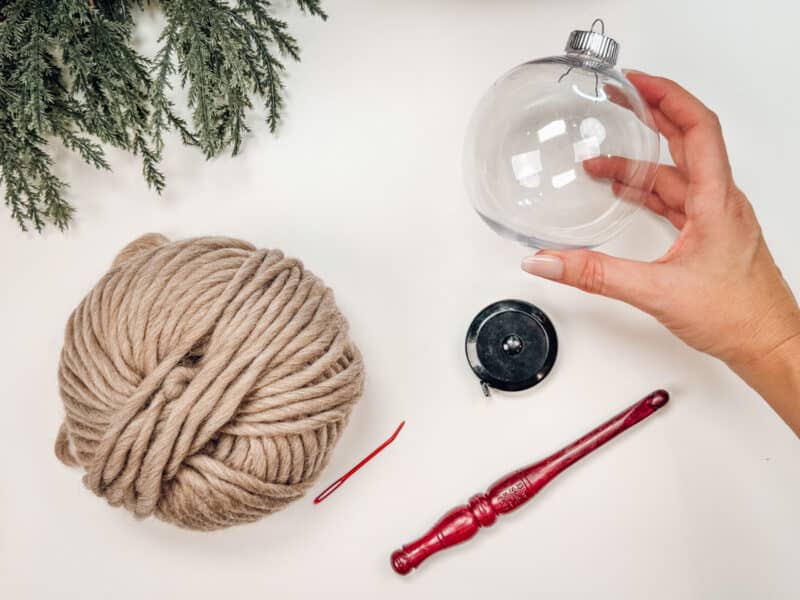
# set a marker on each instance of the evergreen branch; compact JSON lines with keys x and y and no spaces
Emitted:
{"x":273,"y":97}
{"x":89,"y":151}
{"x":163,"y":113}
{"x":312,"y":7}
{"x":153,"y":177}
{"x":275,"y":27}
{"x":117,"y":10}
{"x":33,"y":193}
{"x":68,"y":72}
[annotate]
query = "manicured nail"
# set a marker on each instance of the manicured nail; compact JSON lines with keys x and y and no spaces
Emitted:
{"x":544,"y":265}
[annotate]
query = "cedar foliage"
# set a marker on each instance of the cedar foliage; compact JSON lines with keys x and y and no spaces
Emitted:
{"x":68,"y":71}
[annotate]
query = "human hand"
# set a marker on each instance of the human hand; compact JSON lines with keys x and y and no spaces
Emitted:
{"x":717,"y":288}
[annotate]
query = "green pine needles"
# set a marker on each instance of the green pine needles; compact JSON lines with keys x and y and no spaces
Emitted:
{"x":68,"y":71}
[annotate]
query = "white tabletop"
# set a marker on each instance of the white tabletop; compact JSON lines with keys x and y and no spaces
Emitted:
{"x":363,"y":183}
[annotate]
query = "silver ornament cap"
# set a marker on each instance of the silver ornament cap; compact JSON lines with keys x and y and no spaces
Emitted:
{"x":593,"y":44}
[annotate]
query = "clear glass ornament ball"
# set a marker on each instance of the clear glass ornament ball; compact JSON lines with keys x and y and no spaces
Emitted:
{"x":561,"y":151}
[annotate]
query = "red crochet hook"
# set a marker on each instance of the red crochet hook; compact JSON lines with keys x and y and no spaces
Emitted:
{"x":514,"y":490}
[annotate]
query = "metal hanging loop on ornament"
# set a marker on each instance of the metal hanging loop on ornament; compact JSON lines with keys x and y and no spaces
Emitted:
{"x":602,"y":31}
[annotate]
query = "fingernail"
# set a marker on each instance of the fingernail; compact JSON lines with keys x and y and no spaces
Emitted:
{"x":544,"y":265}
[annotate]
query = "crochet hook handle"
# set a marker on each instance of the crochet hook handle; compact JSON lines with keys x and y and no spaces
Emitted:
{"x":482,"y":510}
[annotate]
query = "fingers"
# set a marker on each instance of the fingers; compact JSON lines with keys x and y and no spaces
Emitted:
{"x":615,"y":167}
{"x":674,"y":138}
{"x":705,"y":157}
{"x":665,"y":126}
{"x":669,"y":189}
{"x":677,"y":104}
{"x":616,"y":95}
{"x":630,"y":281}
{"x":653,"y":202}
{"x":669,"y":185}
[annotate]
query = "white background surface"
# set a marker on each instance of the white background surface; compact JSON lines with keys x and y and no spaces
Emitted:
{"x":364,"y":184}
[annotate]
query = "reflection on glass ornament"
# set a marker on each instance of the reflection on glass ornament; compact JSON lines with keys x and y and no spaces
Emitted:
{"x":562,"y":151}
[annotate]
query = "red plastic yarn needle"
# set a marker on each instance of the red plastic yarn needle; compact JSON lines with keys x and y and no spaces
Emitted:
{"x":338,"y":483}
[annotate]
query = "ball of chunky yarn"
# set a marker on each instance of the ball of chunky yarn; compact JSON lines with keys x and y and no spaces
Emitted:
{"x":205,"y":381}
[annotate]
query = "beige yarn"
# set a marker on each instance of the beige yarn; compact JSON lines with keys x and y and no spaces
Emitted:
{"x":205,"y":381}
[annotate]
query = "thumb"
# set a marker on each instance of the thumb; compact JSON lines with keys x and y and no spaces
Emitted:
{"x":627,"y":280}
